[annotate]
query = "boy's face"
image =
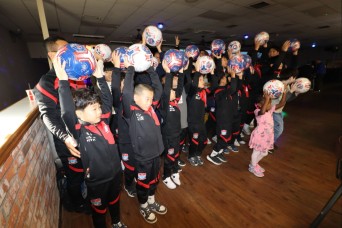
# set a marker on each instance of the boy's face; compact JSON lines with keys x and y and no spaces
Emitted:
{"x":144,"y":99}
{"x":108,"y":75}
{"x":224,"y":62}
{"x":91,"y":114}
{"x":272,"y":53}
{"x":201,"y":82}
{"x":223,"y":81}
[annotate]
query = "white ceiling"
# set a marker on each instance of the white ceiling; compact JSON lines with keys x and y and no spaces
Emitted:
{"x":119,"y":20}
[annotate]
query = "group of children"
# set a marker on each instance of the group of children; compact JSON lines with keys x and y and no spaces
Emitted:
{"x":135,"y":120}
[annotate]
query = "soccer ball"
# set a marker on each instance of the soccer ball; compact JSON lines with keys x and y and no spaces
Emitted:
{"x":139,"y":56}
{"x":274,"y":87}
{"x":174,"y":59}
{"x":192,"y":51}
{"x":153,"y":35}
{"x":302,"y":85}
{"x":237,"y":63}
{"x":80,"y":62}
{"x":185,"y":58}
{"x":218,"y":46}
{"x":294,"y":46}
{"x":206,"y":64}
{"x":247,"y":61}
{"x":262,"y":38}
{"x":104,"y":51}
{"x":234,"y":46}
{"x":155,"y":63}
{"x":122,"y":51}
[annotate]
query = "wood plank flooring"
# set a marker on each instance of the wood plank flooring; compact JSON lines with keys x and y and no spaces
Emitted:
{"x":299,"y":179}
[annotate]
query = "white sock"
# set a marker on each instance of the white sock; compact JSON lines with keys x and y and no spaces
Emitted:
{"x":151,"y":199}
{"x":144,"y":205}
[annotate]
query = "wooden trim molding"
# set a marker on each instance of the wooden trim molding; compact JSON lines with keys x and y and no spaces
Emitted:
{"x":17,"y":136}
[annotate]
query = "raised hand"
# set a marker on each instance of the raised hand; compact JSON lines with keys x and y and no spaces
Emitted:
{"x":286,"y":46}
{"x":116,"y":59}
{"x":98,"y":73}
{"x":60,"y":68}
{"x":165,"y":66}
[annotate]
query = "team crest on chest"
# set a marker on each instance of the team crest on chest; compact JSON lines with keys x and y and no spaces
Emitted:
{"x":195,"y":135}
{"x":223,"y":132}
{"x":197,"y":97}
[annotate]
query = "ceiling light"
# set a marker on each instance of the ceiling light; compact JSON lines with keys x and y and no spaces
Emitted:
{"x":245,"y":37}
{"x":313,"y":45}
{"x":160,"y":25}
{"x":88,"y":36}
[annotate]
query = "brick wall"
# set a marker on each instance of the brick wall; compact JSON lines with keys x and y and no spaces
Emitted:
{"x":28,"y":190}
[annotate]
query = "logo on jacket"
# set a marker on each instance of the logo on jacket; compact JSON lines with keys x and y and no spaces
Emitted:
{"x":171,"y":151}
{"x":212,"y":109}
{"x":139,"y":116}
{"x":141,"y":176}
{"x":125,"y":157}
{"x":195,"y":135}
{"x":90,"y":137}
{"x":223,"y":132}
{"x":171,"y":108}
{"x":197,"y":97}
{"x":96,"y":202}
{"x":72,"y":160}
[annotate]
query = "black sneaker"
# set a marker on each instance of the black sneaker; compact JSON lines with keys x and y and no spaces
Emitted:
{"x":158,"y":208}
{"x":119,"y":225}
{"x":222,"y":158}
{"x":148,"y":215}
{"x":181,"y":163}
{"x":131,"y":190}
{"x":193,"y":161}
{"x":233,"y":148}
{"x":199,"y":160}
{"x":214,"y":159}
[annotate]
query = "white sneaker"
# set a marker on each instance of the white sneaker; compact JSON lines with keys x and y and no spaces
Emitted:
{"x":242,"y":142}
{"x":242,"y":135}
{"x":169,"y":183}
{"x":208,"y":142}
{"x":214,"y":138}
{"x":246,"y":129}
{"x":175,"y":179}
{"x":251,"y":125}
{"x":236,"y":143}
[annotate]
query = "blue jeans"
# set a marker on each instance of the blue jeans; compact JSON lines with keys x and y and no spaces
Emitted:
{"x":278,"y":125}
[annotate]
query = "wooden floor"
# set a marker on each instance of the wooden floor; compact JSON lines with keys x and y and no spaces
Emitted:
{"x":299,"y":179}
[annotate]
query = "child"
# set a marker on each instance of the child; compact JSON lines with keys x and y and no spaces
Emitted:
{"x":262,"y":137}
{"x":99,"y":153}
{"x":224,"y":117}
{"x":171,"y":126}
{"x":146,"y":139}
{"x":197,"y":101}
{"x":124,"y":140}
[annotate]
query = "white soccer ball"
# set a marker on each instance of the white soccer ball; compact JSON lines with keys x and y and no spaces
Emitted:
{"x":302,"y":85}
{"x":104,"y":51}
{"x":274,"y":87}
{"x":139,"y":56}
{"x":153,"y":35}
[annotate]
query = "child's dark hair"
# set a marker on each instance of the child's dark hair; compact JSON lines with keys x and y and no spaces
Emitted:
{"x":288,"y":72}
{"x":259,"y":99}
{"x":138,"y":89}
{"x":50,"y":43}
{"x":84,"y":97}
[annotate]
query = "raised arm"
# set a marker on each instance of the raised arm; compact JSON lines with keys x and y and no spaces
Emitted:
{"x":116,"y":80}
{"x":128,"y":90}
{"x":156,"y":85}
